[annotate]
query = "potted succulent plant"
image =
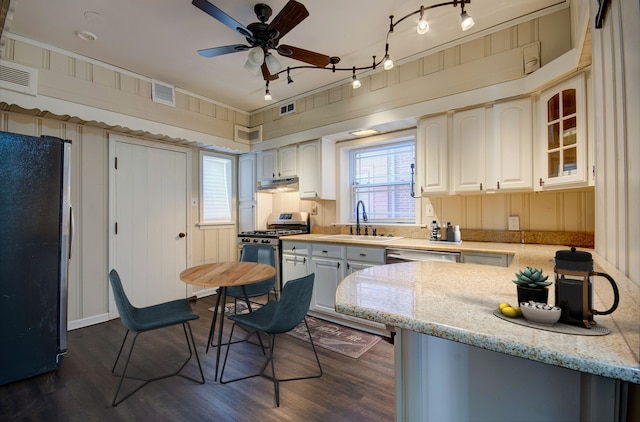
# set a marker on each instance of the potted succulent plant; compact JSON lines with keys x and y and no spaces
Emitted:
{"x":532,"y":285}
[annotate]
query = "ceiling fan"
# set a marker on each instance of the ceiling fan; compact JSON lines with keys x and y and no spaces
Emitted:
{"x":263,"y":37}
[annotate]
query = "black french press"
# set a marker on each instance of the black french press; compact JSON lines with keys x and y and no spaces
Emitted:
{"x":574,"y":288}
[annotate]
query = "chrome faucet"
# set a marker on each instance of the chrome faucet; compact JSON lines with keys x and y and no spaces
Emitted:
{"x":364,"y":215}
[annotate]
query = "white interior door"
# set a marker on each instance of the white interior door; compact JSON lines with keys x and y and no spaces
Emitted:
{"x":149,"y":219}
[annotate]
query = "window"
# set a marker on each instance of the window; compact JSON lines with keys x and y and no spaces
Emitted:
{"x":381,"y":178}
{"x":216,"y":189}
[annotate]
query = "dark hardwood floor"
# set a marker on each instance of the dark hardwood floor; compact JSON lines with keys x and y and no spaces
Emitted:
{"x":82,"y":388}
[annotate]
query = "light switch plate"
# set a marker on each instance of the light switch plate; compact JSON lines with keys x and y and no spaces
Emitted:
{"x":514,"y":223}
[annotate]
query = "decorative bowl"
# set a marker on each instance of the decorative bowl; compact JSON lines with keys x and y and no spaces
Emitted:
{"x":540,"y":313}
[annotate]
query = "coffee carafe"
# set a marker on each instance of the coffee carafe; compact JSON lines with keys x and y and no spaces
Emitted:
{"x":574,"y":288}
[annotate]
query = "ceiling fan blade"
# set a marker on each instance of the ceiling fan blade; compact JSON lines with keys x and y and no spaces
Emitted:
{"x":303,"y":55}
{"x":218,"y":14}
{"x":219,"y":51}
{"x":291,"y":15}
{"x":266,"y":75}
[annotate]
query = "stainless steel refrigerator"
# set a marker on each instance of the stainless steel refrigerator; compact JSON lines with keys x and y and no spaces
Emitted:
{"x":35,"y":246}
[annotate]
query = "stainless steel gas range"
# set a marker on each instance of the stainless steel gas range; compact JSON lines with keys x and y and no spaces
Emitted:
{"x":278,"y":225}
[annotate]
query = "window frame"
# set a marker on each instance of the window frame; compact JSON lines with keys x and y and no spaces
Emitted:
{"x":231,"y":187}
{"x":344,"y":211}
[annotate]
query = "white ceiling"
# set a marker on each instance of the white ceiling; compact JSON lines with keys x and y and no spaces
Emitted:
{"x":159,"y":39}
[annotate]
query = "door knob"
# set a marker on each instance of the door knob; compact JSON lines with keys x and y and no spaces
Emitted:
{"x":182,"y":235}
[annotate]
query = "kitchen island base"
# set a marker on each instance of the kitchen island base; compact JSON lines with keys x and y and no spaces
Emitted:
{"x":443,"y":380}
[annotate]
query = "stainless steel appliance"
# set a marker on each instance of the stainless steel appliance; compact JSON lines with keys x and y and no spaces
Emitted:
{"x":278,"y":225}
{"x":34,"y":253}
{"x":574,"y":288}
{"x":394,"y":256}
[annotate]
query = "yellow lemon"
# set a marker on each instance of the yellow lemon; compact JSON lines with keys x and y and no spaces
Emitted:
{"x":509,"y":311}
{"x":518,"y":311}
{"x":503,"y":305}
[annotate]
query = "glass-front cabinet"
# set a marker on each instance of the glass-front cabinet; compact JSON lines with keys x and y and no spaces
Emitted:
{"x":562,"y":137}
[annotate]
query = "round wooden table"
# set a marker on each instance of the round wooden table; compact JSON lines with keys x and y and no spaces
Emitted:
{"x":223,"y":275}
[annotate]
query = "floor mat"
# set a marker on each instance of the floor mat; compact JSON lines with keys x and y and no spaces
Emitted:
{"x":335,"y":337}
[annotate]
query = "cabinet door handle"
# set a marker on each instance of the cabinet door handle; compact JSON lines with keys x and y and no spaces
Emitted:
{"x":348,"y":266}
{"x":541,"y":182}
{"x":363,"y":254}
{"x":498,"y":185}
{"x":480,"y":186}
{"x":338,"y":265}
{"x":325,"y":251}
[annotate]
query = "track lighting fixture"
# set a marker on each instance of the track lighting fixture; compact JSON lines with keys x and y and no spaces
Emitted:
{"x":423,"y":25}
{"x":466,"y":21}
{"x":259,"y":56}
{"x":290,"y":81}
{"x":267,"y":94}
{"x":355,"y":83}
{"x":387,"y":63}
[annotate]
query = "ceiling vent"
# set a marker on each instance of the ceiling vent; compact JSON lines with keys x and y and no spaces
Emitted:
{"x":288,"y":108}
{"x":15,"y":77}
{"x":248,"y":136}
{"x":163,"y":93}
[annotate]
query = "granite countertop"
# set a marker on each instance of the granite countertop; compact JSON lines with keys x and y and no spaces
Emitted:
{"x":456,"y":302}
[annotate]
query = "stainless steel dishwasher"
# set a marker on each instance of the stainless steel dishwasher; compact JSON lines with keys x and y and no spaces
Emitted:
{"x":395,"y":255}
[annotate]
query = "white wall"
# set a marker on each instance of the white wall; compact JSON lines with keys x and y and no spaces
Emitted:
{"x":616,"y":103}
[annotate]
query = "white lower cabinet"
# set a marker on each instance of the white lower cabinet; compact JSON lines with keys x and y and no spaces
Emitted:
{"x":327,"y":262}
{"x":331,"y":263}
{"x":359,"y":258}
{"x":295,"y":261}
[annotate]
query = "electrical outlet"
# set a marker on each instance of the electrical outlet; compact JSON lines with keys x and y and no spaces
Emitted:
{"x":194,"y":202}
{"x":314,"y":210}
{"x":428,"y":210}
{"x":514,"y":223}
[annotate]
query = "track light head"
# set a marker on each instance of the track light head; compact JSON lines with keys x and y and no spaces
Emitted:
{"x":267,"y":94}
{"x":355,"y":83}
{"x":423,"y":25}
{"x":466,"y":21}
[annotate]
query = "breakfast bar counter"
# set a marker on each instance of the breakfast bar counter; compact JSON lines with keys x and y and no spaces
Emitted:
{"x":456,"y":360}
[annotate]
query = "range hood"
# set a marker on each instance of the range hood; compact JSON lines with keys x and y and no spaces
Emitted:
{"x":280,"y":184}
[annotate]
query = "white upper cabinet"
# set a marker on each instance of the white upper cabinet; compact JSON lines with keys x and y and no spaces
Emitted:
{"x":432,"y":156}
{"x":281,"y":162}
{"x":246,"y":177}
{"x":267,"y":164}
{"x":510,"y":147}
{"x":287,"y":161}
{"x":469,"y":142}
{"x":561,"y":144}
{"x":317,"y":170}
{"x":492,"y":148}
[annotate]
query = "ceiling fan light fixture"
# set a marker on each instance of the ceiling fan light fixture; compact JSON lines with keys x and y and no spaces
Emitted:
{"x":466,"y":21}
{"x":254,"y":69}
{"x":273,"y":64}
{"x":256,"y":56}
{"x":423,"y":25}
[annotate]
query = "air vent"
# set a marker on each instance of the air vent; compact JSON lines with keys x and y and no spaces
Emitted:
{"x":287,"y":108}
{"x":15,"y":77}
{"x":248,"y":136}
{"x":163,"y":93}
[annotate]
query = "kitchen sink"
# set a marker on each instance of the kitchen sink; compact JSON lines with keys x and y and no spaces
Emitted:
{"x":368,"y":239}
